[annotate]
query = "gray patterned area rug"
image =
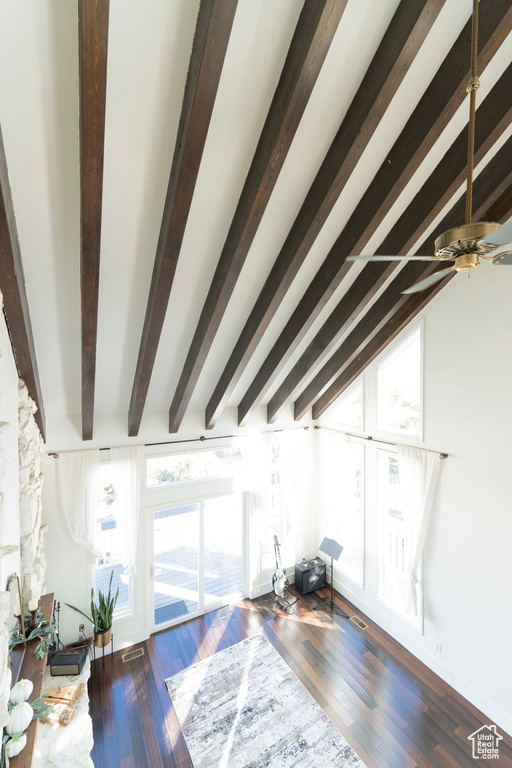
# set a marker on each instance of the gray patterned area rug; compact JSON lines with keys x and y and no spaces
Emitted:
{"x":245,"y":708}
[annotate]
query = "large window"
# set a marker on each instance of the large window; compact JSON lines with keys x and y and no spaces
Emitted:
{"x":393,"y":543}
{"x":399,"y":388}
{"x":107,"y":543}
{"x":199,"y":465}
{"x":351,"y":516}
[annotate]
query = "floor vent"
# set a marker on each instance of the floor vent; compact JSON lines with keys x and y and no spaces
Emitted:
{"x":358,"y":622}
{"x":133,"y":654}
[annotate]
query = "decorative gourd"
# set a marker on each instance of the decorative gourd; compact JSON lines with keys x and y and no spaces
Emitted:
{"x":13,"y":748}
{"x":21,"y":691}
{"x":20,"y":718}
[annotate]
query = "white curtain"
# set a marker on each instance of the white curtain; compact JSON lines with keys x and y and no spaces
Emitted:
{"x":331,"y":445}
{"x":419,"y":476}
{"x":296,"y":464}
{"x":77,"y":477}
{"x":127,"y":463}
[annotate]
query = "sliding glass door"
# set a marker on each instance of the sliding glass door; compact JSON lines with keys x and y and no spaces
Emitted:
{"x":197,"y":558}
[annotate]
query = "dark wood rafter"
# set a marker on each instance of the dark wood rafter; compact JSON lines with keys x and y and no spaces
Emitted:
{"x":438,"y":105}
{"x":393,"y":307}
{"x":493,"y":117}
{"x":311,"y":41}
{"x":213,"y":30}
{"x":15,"y":304}
{"x":400,"y":44}
{"x":93,"y":45}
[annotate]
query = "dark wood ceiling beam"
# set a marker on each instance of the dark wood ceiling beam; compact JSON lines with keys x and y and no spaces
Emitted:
{"x":15,"y":303}
{"x":493,"y":117}
{"x":211,"y":38}
{"x":93,"y":44}
{"x":311,"y":41}
{"x":489,"y":187}
{"x":443,"y":97}
{"x":402,"y":40}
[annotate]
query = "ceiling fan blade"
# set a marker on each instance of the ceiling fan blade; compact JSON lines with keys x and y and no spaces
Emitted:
{"x":501,"y":236}
{"x":428,"y":281}
{"x":364,"y":257}
{"x":503,"y":259}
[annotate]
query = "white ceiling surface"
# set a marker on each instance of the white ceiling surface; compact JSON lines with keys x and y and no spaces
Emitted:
{"x":148,"y":55}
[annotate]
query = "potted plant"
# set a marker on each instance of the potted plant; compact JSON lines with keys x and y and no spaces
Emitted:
{"x":102,"y":612}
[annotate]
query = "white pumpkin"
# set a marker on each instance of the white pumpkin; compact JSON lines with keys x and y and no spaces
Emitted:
{"x":13,"y":747}
{"x":20,"y":718}
{"x":21,"y":691}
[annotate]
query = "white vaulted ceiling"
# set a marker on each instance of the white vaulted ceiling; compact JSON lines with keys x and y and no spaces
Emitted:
{"x":149,"y":49}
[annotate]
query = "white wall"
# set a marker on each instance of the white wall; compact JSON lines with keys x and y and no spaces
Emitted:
{"x":467,"y":561}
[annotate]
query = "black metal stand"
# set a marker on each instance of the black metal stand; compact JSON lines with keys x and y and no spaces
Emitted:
{"x":331,"y":602}
{"x":103,"y":649}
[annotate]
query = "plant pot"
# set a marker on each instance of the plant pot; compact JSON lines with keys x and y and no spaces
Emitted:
{"x":102,"y":638}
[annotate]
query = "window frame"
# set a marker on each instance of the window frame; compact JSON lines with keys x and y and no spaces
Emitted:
{"x":359,"y":382}
{"x":156,"y":451}
{"x":391,"y":351}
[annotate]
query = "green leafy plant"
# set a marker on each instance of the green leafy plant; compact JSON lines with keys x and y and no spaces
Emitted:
{"x":101,"y":611}
{"x":42,"y":632}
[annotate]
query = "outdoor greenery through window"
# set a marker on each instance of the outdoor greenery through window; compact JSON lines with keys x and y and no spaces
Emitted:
{"x":106,"y":541}
{"x":180,"y":468}
{"x":399,"y":388}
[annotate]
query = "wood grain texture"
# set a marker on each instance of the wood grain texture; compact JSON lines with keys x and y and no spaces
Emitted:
{"x":492,"y":119}
{"x":393,"y":310}
{"x":402,"y":40}
{"x":15,"y":303}
{"x":33,"y":669}
{"x":392,"y":709}
{"x":211,"y":38}
{"x":93,"y":44}
{"x":311,"y":41}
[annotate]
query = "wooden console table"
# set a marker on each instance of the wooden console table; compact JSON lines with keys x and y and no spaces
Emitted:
{"x":33,"y":669}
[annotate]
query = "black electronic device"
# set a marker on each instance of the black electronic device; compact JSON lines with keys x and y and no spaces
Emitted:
{"x":309,"y":575}
{"x":68,"y":662}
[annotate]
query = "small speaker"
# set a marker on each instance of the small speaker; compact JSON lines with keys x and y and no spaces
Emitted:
{"x":309,"y":576}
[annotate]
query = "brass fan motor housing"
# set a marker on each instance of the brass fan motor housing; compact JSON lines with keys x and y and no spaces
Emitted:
{"x":466,"y":240}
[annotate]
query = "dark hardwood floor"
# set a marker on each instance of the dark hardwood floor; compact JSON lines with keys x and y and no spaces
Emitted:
{"x":393,"y":710}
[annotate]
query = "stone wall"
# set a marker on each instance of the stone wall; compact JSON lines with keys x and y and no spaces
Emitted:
{"x":31,"y":486}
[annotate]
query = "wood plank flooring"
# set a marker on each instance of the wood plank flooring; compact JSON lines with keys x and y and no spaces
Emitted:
{"x":393,"y":710}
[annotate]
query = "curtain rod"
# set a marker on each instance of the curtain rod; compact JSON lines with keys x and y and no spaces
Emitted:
{"x":201,"y":439}
{"x":369,"y":438}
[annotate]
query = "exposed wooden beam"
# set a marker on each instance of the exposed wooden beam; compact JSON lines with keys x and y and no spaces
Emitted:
{"x":214,"y":24}
{"x":489,"y":188}
{"x":93,"y":45}
{"x":313,"y":35}
{"x":492,"y":118}
{"x":363,"y":116}
{"x":443,"y":97}
{"x":12,"y":287}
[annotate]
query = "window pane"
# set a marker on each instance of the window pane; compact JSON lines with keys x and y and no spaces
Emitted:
{"x":393,"y":581}
{"x":178,"y":468}
{"x":349,"y":408}
{"x":223,"y":541}
{"x":399,"y":388}
{"x":106,"y":541}
{"x":176,"y":564}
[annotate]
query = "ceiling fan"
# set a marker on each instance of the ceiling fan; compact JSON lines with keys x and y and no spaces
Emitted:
{"x":466,"y":244}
